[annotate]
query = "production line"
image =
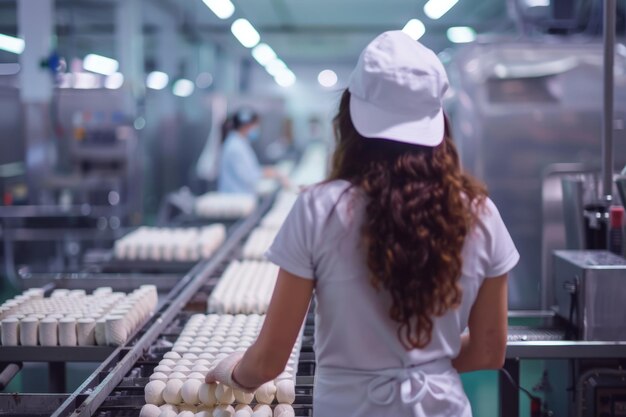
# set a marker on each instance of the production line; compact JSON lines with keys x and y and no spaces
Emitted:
{"x":165,"y":166}
{"x":123,"y":391}
{"x":233,"y":239}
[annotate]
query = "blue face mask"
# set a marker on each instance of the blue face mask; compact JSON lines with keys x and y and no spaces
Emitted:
{"x":254,"y":134}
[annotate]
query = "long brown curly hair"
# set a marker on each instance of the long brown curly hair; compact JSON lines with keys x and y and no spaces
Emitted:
{"x":420,"y":207}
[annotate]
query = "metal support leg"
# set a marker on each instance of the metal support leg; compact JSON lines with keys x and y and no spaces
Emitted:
{"x":509,"y":395}
{"x":56,"y":377}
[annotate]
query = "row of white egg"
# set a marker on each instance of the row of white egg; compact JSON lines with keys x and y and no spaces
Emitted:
{"x":110,"y":325}
{"x":312,"y":166}
{"x":276,"y":216}
{"x":207,"y":339}
{"x":242,"y":410}
{"x":258,"y":243}
{"x":89,"y":306}
{"x":170,"y":244}
{"x":197,"y":392}
{"x":188,"y":369}
{"x":60,"y":298}
{"x":245,"y":287}
{"x":225,"y":206}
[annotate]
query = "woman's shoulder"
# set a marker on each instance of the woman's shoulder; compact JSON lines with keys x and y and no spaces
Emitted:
{"x":326,"y":193}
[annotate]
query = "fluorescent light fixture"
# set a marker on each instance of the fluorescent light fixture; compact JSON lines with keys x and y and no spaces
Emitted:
{"x":285,"y":78}
{"x":327,"y":78}
{"x":275,"y":66}
{"x":437,"y":8}
{"x":414,"y":28}
{"x":157,"y":80}
{"x":537,"y":3}
{"x":12,"y":69}
{"x":183,"y":88}
{"x":204,"y":80}
{"x":11,"y":44}
{"x":100,"y":64}
{"x":461,"y":34}
{"x":263,"y":54}
{"x":114,"y":81}
{"x":222,"y":8}
{"x":245,"y":33}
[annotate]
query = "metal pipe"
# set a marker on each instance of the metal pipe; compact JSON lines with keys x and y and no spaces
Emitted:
{"x":8,"y":373}
{"x":610,"y":10}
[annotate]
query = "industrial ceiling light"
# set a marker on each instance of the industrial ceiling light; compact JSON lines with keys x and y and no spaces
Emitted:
{"x":327,"y":78}
{"x":222,"y":8}
{"x":461,"y":34}
{"x":437,"y":8}
{"x":100,"y":64}
{"x":537,"y":3}
{"x":245,"y":33}
{"x":114,"y":81}
{"x":414,"y":28}
{"x":183,"y":87}
{"x":276,"y":66}
{"x":285,"y":78}
{"x":11,"y":44}
{"x":263,"y":54}
{"x":157,"y":80}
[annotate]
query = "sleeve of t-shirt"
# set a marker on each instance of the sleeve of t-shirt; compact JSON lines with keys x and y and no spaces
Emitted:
{"x":292,"y":249}
{"x":502,"y":253}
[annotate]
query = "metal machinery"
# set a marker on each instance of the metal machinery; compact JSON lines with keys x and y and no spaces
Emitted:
{"x":519,"y":109}
{"x":590,"y":291}
{"x":532,"y":120}
{"x":85,"y":196}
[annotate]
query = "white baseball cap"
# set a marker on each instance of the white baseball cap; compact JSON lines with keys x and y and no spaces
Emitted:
{"x":396,"y":91}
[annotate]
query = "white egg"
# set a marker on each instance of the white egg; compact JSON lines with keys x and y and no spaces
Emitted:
{"x":172,"y":391}
{"x":189,"y":391}
{"x":153,"y":392}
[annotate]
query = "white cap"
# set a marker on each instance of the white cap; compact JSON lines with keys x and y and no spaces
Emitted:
{"x":396,"y":91}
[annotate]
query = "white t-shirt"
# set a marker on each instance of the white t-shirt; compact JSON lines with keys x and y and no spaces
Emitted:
{"x":321,"y":240}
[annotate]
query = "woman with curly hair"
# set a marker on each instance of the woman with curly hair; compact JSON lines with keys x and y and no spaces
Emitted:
{"x":402,"y":249}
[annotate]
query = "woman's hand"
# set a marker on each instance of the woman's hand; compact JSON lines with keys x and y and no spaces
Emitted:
{"x":268,"y":355}
{"x":223,"y":372}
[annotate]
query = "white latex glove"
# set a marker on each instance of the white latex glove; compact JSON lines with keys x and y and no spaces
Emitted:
{"x":223,"y":372}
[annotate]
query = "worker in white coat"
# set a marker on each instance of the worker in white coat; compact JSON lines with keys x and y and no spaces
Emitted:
{"x":240,"y":171}
{"x":402,"y":249}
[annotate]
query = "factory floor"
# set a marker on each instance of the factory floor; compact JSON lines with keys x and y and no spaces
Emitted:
{"x":481,"y":387}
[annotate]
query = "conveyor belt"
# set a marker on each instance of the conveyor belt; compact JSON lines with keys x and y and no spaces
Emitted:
{"x":104,"y":382}
{"x":532,"y":334}
{"x":128,"y":397}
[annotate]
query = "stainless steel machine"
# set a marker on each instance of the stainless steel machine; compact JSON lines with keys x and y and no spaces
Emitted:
{"x":517,"y":109}
{"x":590,"y":290}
